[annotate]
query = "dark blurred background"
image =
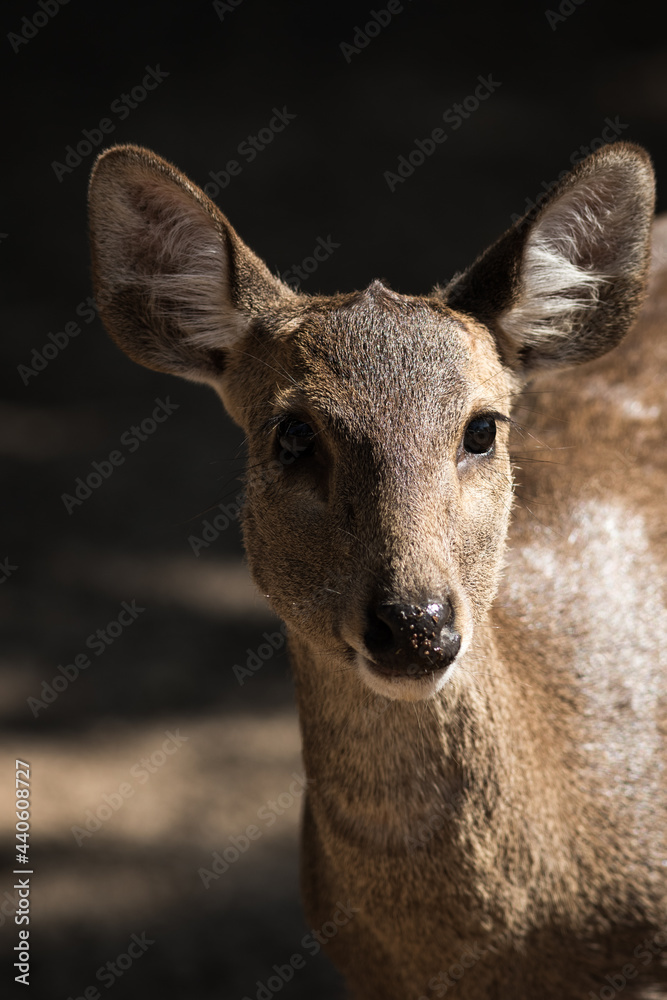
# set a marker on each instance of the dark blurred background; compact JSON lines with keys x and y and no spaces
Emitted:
{"x":111,"y":864}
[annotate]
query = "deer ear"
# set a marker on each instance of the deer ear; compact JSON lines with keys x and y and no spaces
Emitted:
{"x":564,"y":284}
{"x":175,"y":286}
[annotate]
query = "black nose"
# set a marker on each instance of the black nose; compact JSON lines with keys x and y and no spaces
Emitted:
{"x":406,"y":639}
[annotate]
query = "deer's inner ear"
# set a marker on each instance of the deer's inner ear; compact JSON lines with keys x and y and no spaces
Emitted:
{"x":175,"y":285}
{"x":564,"y":287}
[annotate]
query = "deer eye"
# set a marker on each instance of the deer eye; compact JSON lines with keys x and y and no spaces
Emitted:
{"x":296,"y":437}
{"x":480,"y":435}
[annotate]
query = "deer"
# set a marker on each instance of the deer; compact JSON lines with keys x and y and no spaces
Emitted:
{"x":455,"y":502}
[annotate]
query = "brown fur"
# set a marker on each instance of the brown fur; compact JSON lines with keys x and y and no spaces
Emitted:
{"x":509,"y":823}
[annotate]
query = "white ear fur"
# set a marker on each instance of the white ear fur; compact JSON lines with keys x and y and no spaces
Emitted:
{"x":191,"y":286}
{"x":567,"y":260}
{"x":563,"y":285}
{"x":175,"y":285}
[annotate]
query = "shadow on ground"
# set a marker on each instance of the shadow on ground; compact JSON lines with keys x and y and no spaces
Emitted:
{"x":150,"y":754}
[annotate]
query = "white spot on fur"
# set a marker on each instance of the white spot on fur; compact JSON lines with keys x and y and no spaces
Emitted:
{"x":621,"y":397}
{"x":635,"y":409}
{"x":604,"y":589}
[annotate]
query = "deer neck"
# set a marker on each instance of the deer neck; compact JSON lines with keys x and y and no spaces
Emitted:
{"x":378,"y":770}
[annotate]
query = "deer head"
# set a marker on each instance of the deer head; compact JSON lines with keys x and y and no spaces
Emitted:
{"x":377,"y":424}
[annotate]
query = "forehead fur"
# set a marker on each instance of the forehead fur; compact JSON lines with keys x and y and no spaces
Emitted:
{"x":387,"y":354}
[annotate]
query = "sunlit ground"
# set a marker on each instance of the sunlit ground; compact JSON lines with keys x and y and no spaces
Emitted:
{"x":148,"y":762}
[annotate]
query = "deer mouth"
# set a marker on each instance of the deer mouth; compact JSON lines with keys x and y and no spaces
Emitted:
{"x":410,"y":681}
{"x":431,"y":661}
